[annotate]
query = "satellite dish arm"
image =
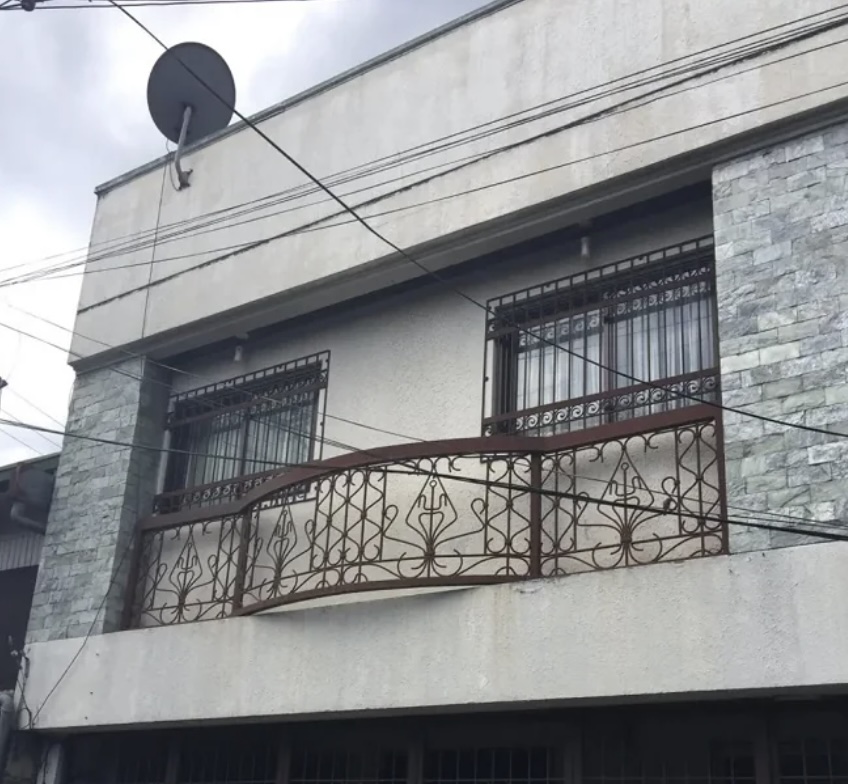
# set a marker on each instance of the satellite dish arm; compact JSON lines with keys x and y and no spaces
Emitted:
{"x":182,"y":176}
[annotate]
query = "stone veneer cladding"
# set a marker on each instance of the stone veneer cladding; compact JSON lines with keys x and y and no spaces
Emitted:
{"x":101,"y":490}
{"x":781,"y":230}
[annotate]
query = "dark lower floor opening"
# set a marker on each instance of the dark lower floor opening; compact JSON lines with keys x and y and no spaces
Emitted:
{"x":16,"y":589}
{"x":744,"y":743}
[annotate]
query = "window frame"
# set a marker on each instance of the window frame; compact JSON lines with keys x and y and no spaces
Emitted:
{"x":245,"y":393}
{"x":554,"y":301}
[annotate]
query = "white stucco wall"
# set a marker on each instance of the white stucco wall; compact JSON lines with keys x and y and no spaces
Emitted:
{"x":520,"y":56}
{"x":719,"y":626}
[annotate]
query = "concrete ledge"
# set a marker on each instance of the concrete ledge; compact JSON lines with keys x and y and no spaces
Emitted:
{"x":768,"y":621}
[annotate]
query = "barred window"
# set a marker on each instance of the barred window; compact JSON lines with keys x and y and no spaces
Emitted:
{"x":511,"y":765}
{"x":818,"y":760}
{"x":615,"y":343}
{"x":244,"y":429}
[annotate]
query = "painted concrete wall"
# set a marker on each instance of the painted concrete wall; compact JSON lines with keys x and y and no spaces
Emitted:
{"x":718,"y":626}
{"x":413,"y":363}
{"x":781,"y":230}
{"x":521,"y":56}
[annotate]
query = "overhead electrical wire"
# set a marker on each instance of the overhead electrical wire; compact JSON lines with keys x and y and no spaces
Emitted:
{"x":426,"y":145}
{"x":132,"y":355}
{"x":213,"y":225}
{"x":115,"y":247}
{"x":324,"y":223}
{"x":754,"y":520}
{"x":16,"y":5}
{"x":742,"y":412}
{"x":35,"y":407}
{"x":746,"y":413}
{"x":609,"y":503}
{"x":23,"y":443}
{"x":333,"y":221}
{"x":331,"y":442}
{"x":467,"y":297}
{"x":379,"y":236}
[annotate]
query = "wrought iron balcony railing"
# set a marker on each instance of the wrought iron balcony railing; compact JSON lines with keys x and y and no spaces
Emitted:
{"x":462,"y":512}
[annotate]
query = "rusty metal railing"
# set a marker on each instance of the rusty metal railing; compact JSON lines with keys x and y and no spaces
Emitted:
{"x":460,"y":512}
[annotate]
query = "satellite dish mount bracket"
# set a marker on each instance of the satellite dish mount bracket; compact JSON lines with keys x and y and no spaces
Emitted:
{"x":182,"y":176}
{"x":191,"y":95}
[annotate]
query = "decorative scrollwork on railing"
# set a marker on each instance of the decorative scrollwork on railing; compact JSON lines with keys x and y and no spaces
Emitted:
{"x":189,"y":573}
{"x":641,"y":499}
{"x":618,"y":405}
{"x":216,"y":494}
{"x":447,"y":513}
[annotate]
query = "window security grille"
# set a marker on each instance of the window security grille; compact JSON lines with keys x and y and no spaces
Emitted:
{"x":489,"y":766}
{"x":819,"y":760}
{"x":616,"y":746}
{"x":360,"y":766}
{"x":620,"y":760}
{"x":246,"y":428}
{"x":615,"y":343}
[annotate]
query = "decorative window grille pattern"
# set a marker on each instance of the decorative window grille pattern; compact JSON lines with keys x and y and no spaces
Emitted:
{"x":622,"y":341}
{"x":350,"y":766}
{"x":813,"y":761}
{"x":488,"y":766}
{"x":229,"y":437}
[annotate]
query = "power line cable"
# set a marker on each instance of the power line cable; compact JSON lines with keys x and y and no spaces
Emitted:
{"x":827,"y":535}
{"x":493,"y":483}
{"x":359,"y":219}
{"x":356,"y":423}
{"x":467,"y":297}
{"x":53,"y":446}
{"x":22,"y":442}
{"x":317,"y":225}
{"x":34,"y":406}
{"x":398,"y":159}
{"x":130,"y":445}
{"x":173,"y":368}
{"x":339,"y":444}
{"x":350,"y":448}
{"x":116,"y":573}
{"x":608,"y":502}
{"x":760,"y":522}
{"x":15,"y":5}
{"x":331,"y":442}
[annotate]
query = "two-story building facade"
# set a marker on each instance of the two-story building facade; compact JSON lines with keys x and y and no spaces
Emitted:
{"x":557,"y":493}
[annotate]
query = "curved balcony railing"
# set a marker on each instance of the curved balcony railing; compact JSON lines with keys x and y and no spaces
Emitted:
{"x":461,"y":512}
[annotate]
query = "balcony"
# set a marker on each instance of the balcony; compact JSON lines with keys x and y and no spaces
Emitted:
{"x":443,"y":513}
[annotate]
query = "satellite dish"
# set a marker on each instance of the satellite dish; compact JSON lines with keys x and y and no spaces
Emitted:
{"x":190,"y":94}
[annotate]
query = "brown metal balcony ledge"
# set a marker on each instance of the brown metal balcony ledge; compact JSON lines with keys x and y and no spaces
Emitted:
{"x":443,"y":513}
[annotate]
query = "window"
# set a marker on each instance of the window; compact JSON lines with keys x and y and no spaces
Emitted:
{"x":594,"y":348}
{"x":370,"y":765}
{"x":244,"y":429}
{"x":501,"y":765}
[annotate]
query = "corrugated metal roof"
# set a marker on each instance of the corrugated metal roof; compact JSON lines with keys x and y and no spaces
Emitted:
{"x":19,"y":550}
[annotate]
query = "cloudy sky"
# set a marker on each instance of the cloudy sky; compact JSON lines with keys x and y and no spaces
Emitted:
{"x":72,"y":89}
